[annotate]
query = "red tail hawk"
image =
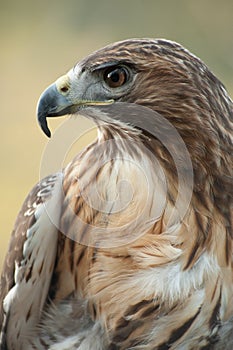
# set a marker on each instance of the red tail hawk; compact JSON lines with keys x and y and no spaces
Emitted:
{"x":130,"y":245}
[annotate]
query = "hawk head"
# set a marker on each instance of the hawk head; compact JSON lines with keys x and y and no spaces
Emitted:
{"x":158,"y":74}
{"x":168,"y":79}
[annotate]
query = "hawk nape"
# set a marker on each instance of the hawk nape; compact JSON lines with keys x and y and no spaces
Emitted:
{"x":94,"y":261}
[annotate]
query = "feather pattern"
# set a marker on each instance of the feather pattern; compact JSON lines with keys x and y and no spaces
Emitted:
{"x":94,"y":255}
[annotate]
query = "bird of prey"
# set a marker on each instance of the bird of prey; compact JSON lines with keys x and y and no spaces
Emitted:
{"x":130,"y":245}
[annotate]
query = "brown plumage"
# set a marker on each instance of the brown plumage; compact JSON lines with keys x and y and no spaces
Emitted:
{"x":101,"y":264}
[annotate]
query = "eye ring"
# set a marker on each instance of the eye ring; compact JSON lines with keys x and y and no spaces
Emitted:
{"x":116,"y":77}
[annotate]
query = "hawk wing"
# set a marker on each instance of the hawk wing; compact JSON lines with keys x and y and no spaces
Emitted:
{"x":29,"y":262}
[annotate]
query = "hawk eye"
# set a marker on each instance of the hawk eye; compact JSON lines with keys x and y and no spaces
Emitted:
{"x":116,"y":77}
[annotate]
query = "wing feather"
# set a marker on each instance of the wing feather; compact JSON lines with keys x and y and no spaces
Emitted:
{"x":30,"y":260}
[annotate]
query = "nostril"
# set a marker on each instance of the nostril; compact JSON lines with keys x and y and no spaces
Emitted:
{"x":63,"y":84}
{"x":64,"y":88}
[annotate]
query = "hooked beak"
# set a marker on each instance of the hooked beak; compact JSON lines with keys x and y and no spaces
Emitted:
{"x":51,"y":104}
{"x":55,"y":102}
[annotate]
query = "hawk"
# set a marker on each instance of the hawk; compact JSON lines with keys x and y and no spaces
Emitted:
{"x":130,"y":245}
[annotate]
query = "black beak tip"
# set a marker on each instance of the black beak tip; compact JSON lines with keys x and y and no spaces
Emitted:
{"x":46,"y":130}
{"x":44,"y":125}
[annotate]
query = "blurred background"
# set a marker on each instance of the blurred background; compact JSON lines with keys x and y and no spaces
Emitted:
{"x":41,"y":40}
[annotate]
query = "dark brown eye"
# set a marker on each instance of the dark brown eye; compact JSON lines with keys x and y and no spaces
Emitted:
{"x":116,"y":77}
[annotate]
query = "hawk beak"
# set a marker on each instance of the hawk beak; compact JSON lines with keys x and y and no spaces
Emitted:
{"x":55,"y":102}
